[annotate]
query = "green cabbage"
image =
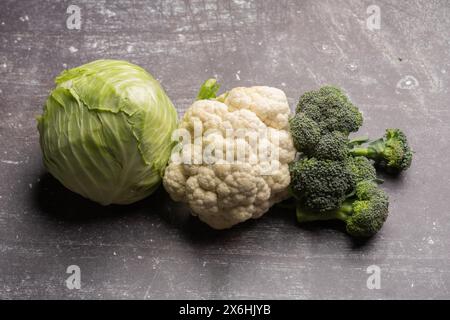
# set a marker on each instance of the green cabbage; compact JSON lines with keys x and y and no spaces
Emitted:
{"x":106,"y":131}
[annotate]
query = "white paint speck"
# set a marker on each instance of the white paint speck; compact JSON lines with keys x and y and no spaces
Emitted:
{"x":3,"y":23}
{"x":4,"y":65}
{"x":115,"y":253}
{"x":443,"y":71}
{"x":94,"y":45}
{"x":10,"y":162}
{"x":204,"y":264}
{"x":64,"y":65}
{"x":283,"y":84}
{"x":107,"y":12}
{"x":130,"y":48}
{"x":24,"y":18}
{"x":72,"y":49}
{"x":237,"y":77}
{"x":140,"y":257}
{"x":260,"y":43}
{"x":407,"y":83}
{"x":352,"y":67}
{"x":30,"y":185}
{"x":428,"y":240}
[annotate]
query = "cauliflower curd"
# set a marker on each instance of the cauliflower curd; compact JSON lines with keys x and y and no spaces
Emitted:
{"x":224,"y":193}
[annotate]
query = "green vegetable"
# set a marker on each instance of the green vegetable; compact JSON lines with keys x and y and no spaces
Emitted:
{"x":332,"y":145}
{"x":391,"y":152}
{"x":208,"y":90}
{"x":321,"y":185}
{"x":305,"y":132}
{"x":364,"y":213}
{"x":330,"y":108}
{"x":105,"y":132}
{"x":322,"y":123}
{"x":362,"y":169}
{"x":331,"y":179}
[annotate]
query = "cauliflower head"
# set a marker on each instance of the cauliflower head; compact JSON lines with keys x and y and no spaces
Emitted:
{"x":235,"y":183}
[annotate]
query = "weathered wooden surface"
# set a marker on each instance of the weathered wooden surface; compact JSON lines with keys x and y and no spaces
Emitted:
{"x":398,"y":75}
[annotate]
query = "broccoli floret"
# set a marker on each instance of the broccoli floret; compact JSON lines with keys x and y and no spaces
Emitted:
{"x":321,"y":185}
{"x":364,"y":213}
{"x":330,"y":108}
{"x":311,"y":141}
{"x":362,"y":169}
{"x":332,"y":146}
{"x":322,"y":123}
{"x":305,"y":132}
{"x":391,"y":152}
{"x":369,"y":210}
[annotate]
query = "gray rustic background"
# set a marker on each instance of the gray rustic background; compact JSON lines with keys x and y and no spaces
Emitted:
{"x":398,"y":75}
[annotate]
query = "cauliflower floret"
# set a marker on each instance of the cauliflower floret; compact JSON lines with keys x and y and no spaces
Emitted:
{"x":269,"y":104}
{"x":226,"y":192}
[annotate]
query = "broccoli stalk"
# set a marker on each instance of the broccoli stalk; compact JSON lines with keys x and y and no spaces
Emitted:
{"x":391,"y":152}
{"x":364,"y":213}
{"x":342,"y":213}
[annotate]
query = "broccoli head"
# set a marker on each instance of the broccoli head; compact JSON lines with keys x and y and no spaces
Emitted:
{"x":332,"y":146}
{"x":362,"y":169}
{"x":321,"y":185}
{"x":391,"y":152}
{"x":335,"y":178}
{"x":369,"y":210}
{"x":305,"y":132}
{"x":364,"y":213}
{"x":330,"y":108}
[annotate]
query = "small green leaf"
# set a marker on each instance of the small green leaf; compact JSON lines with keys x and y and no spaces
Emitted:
{"x":208,"y":90}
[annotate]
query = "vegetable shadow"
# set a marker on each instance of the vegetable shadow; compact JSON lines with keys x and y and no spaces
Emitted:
{"x":59,"y":203}
{"x":200,"y":234}
{"x":193,"y":230}
{"x":178,"y":215}
{"x":318,"y":230}
{"x":321,"y":229}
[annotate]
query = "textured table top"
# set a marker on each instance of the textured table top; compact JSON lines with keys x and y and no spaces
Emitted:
{"x":398,"y":75}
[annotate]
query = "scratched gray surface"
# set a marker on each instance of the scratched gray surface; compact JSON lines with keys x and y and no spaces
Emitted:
{"x":398,"y":75}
